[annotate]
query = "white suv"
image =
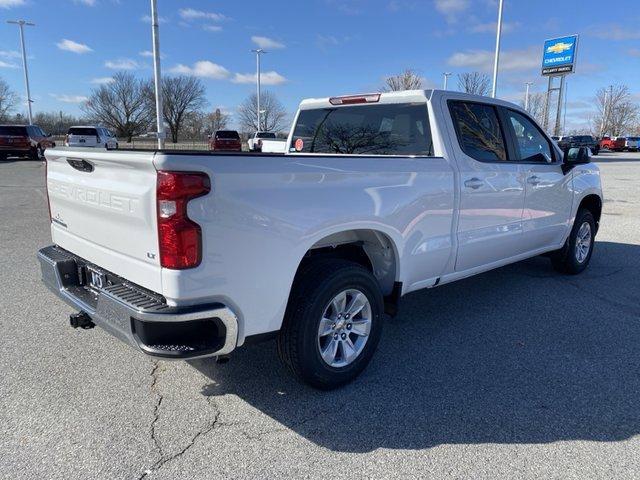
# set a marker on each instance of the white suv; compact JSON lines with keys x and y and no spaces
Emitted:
{"x":91,"y":136}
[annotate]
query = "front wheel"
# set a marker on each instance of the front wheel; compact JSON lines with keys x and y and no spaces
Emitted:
{"x":574,"y":257}
{"x":332,"y":324}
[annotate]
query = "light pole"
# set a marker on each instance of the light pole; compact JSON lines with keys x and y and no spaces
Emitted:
{"x":526,"y":96}
{"x":496,"y":59}
{"x":258,"y":52}
{"x":21,"y":24}
{"x":157,"y":73}
{"x":446,"y":79}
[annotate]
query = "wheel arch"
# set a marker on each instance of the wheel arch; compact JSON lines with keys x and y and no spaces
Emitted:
{"x":372,"y":248}
{"x":593,"y":203}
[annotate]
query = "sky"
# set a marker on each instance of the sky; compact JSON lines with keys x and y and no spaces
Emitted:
{"x":316,"y":48}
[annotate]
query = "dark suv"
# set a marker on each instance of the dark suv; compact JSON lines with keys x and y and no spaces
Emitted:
{"x":23,"y":141}
{"x":576,"y":141}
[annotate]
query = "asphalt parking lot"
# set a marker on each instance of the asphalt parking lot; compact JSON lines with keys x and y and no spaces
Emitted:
{"x":517,"y":373}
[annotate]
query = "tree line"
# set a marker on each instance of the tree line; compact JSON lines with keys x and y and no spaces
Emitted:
{"x":126,"y":105}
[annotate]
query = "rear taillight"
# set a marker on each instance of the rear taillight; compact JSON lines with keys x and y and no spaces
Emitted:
{"x":180,"y":238}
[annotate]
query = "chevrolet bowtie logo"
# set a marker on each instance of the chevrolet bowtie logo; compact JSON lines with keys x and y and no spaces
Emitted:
{"x":559,"y":47}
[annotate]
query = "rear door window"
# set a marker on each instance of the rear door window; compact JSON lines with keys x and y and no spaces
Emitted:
{"x":387,"y":129}
{"x":478,"y":131}
{"x":86,"y":132}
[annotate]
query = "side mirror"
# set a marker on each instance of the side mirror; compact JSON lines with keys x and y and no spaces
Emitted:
{"x":575,"y":156}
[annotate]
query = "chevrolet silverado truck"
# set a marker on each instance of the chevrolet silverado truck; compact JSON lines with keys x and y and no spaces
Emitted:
{"x":186,"y":255}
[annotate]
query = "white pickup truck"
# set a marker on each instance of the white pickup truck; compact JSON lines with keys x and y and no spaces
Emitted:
{"x":186,"y":255}
{"x":266,"y":142}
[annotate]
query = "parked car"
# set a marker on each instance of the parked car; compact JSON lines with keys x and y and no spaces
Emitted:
{"x":631,"y":144}
{"x":615,"y":144}
{"x":91,"y":136}
{"x":23,"y":141}
{"x":225,"y":141}
{"x":193,"y":255}
{"x":576,"y":141}
{"x":266,"y":142}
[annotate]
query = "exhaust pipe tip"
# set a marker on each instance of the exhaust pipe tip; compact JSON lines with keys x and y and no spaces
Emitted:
{"x":81,"y":320}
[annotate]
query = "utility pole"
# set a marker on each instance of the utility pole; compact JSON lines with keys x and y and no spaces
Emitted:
{"x":446,"y":78}
{"x":258,"y":52}
{"x":496,"y":59}
{"x":604,"y":114}
{"x":21,"y":24}
{"x":526,"y":96}
{"x":155,"y":26}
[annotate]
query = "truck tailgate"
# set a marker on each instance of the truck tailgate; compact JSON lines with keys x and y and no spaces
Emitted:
{"x":103,"y":209}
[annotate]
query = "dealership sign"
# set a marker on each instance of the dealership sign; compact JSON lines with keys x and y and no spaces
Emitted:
{"x":559,"y":55}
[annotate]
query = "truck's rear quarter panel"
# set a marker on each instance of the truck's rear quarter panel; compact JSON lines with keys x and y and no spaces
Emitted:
{"x":265,"y":212}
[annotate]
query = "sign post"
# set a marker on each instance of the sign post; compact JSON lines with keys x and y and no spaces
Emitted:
{"x":558,"y":60}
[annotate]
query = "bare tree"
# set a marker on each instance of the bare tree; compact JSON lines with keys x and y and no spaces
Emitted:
{"x":122,"y":105}
{"x":8,"y":100}
{"x":476,"y":83}
{"x":536,"y":106}
{"x":183,"y":96}
{"x":407,"y":80}
{"x":272,"y":116}
{"x":616,"y":113}
{"x":56,"y":123}
{"x":216,"y":120}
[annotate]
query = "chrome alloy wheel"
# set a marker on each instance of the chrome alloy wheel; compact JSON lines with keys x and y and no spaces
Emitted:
{"x":344,"y":328}
{"x":583,"y":242}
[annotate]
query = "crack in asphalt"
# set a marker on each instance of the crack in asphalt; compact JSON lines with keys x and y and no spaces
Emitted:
{"x":164,"y":459}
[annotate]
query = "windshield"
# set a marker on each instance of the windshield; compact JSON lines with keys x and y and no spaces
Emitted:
{"x":391,"y":129}
{"x":583,"y":138}
{"x":87,"y":132}
{"x":265,"y":135}
{"x":228,"y":134}
{"x":13,"y":131}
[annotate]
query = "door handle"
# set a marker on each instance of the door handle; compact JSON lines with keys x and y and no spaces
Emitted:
{"x":474,"y":183}
{"x":533,"y":180}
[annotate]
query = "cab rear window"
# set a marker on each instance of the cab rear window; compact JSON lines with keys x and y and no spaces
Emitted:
{"x":387,"y":129}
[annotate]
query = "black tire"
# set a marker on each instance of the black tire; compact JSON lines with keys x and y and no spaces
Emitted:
{"x":566,"y":259}
{"x":315,"y":286}
{"x":3,"y":156}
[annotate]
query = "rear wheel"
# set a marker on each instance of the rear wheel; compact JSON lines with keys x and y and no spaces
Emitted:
{"x":35,"y":153}
{"x":574,"y":257}
{"x":332,"y":324}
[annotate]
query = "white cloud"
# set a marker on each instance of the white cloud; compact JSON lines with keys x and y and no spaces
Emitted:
{"x":147,"y":19}
{"x":266,"y":78}
{"x":148,"y":54}
{"x":12,"y":3}
{"x":510,"y":60}
{"x":75,"y":47}
{"x":491,"y":27}
{"x":88,"y":3}
{"x":204,"y":69}
{"x":7,"y":65}
{"x":10,"y":54}
{"x":451,"y":9}
{"x":212,"y":28}
{"x":266,"y":42}
{"x":614,"y":31}
{"x":192,"y":14}
{"x":101,"y":80}
{"x":122,"y":64}
{"x":69,"y":98}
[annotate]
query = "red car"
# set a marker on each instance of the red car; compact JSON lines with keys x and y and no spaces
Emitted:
{"x":615,"y":144}
{"x":23,"y":141}
{"x":225,"y":141}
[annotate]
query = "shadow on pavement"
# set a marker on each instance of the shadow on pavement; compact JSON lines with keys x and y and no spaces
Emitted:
{"x":517,"y":355}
